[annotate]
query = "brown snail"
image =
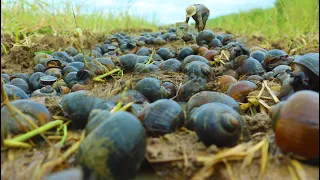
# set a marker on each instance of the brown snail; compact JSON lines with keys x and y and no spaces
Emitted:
{"x":296,"y":124}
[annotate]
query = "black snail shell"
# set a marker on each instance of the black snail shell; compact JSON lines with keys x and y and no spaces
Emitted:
{"x":190,"y":88}
{"x":165,"y":53}
{"x":192,"y":58}
{"x":39,"y":68}
{"x":215,"y":43}
{"x":198,"y":69}
{"x":34,"y":80}
{"x":36,"y":111}
{"x":171,"y":65}
{"x":306,"y":72}
{"x":205,"y":35}
{"x":168,"y":89}
{"x":115,"y":149}
{"x":6,"y":78}
{"x":237,"y":49}
{"x":163,"y":116}
{"x":23,"y":76}
{"x":250,"y":66}
{"x":78,"y":65}
{"x":71,"y":51}
{"x":217,"y":123}
{"x":128,"y":61}
{"x":14,"y":92}
{"x":184,"y":52}
{"x":150,"y":88}
{"x":21,"y":84}
{"x":143,"y":52}
{"x":258,"y":55}
{"x":69,"y":69}
{"x":78,"y":105}
{"x":96,"y":117}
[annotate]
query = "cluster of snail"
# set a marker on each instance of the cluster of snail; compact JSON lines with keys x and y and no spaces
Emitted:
{"x":115,"y":142}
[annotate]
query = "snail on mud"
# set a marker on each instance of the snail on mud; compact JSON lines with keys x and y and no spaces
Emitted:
{"x":296,"y":124}
{"x":115,"y":149}
{"x":34,"y":110}
{"x":225,"y":81}
{"x":184,"y":52}
{"x":45,"y":91}
{"x":162,"y":116}
{"x":217,"y":123}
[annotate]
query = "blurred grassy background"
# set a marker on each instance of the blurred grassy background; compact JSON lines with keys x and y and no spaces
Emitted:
{"x":292,"y":20}
{"x":289,"y":20}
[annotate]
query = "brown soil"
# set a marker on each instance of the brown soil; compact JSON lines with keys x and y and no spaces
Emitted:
{"x":172,"y":156}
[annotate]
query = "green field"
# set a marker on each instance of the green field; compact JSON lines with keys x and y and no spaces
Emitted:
{"x":294,"y":21}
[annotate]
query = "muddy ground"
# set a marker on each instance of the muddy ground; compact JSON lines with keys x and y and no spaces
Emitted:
{"x":173,"y":156}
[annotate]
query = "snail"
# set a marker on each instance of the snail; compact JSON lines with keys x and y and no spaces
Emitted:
{"x":217,"y":123}
{"x":115,"y":149}
{"x":296,"y":124}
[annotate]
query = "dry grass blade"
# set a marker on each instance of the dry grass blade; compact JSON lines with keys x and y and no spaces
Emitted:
{"x":261,"y":91}
{"x":264,"y":159}
{"x":247,"y":161}
{"x":292,"y":173}
{"x":264,"y":104}
{"x":276,"y":100}
{"x":229,"y":169}
{"x":299,"y":169}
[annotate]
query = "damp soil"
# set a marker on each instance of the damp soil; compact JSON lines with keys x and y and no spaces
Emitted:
{"x":172,"y":156}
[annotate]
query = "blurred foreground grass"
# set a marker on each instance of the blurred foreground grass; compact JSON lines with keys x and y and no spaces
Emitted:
{"x":288,"y":19}
{"x":22,"y":17}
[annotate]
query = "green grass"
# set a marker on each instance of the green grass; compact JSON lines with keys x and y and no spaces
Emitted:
{"x":20,"y":18}
{"x":289,"y":18}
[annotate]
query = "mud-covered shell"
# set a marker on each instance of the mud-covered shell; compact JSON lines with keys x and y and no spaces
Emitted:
{"x":71,"y":50}
{"x":130,"y":96}
{"x":205,"y":35}
{"x":171,"y":65}
{"x":279,"y":69}
{"x":225,"y":81}
{"x":115,"y":149}
{"x":78,"y":65}
{"x":168,"y":90}
{"x":150,"y":88}
{"x":217,"y":123}
{"x":297,"y":125}
{"x":185,"y":52}
{"x":128,"y":61}
{"x":215,"y":43}
{"x":78,"y":105}
{"x":62,"y":56}
{"x":165,"y":53}
{"x":237,"y":49}
{"x":107,"y":63}
{"x":205,"y":97}
{"x":190,"y":88}
{"x":71,"y":79}
{"x":195,"y":48}
{"x":38,"y":112}
{"x":14,"y":92}
{"x":81,"y":58}
{"x":198,"y":69}
{"x":143,"y":52}
{"x":38,"y":57}
{"x":21,"y":83}
{"x":34,"y":80}
{"x":310,"y":61}
{"x":39,"y":68}
{"x":145,"y":68}
{"x":250,"y":66}
{"x":258,"y":55}
{"x":255,"y":79}
{"x":202,"y":50}
{"x":239,"y":90}
{"x":163,"y":116}
{"x":192,"y":58}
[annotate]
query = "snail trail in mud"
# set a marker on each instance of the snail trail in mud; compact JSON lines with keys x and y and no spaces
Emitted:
{"x":163,"y":101}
